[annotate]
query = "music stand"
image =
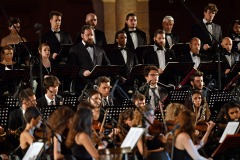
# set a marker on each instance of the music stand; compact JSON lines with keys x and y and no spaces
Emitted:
{"x":4,"y":112}
{"x":140,"y":52}
{"x":71,"y":100}
{"x":208,"y":68}
{"x":31,"y":45}
{"x":230,"y":143}
{"x":112,"y":70}
{"x":114,"y":111}
{"x":136,"y":72}
{"x":64,"y":50}
{"x":64,"y":72}
{"x":216,"y":100}
{"x":48,"y":110}
{"x":176,"y":71}
{"x":180,"y":49}
{"x":14,"y":75}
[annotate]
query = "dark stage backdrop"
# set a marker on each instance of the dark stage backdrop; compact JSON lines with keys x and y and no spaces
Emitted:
{"x":74,"y":11}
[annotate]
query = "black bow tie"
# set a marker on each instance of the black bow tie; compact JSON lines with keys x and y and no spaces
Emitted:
{"x":194,"y":54}
{"x":88,"y":45}
{"x":160,"y":48}
{"x":168,"y":34}
{"x":227,"y":53}
{"x":122,"y":48}
{"x":56,"y":32}
{"x":208,"y":23}
{"x":133,"y":31}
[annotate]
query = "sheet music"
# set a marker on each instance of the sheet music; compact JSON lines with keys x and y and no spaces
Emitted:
{"x":34,"y":151}
{"x":231,"y":129}
{"x":132,"y":137}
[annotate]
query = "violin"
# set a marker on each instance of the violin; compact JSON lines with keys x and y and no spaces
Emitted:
{"x":156,"y":128}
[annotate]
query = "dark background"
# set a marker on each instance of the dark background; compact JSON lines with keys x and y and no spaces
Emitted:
{"x":74,"y":11}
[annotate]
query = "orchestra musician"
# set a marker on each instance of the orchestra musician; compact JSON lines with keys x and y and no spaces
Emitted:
{"x":50,"y":85}
{"x":152,"y":91}
{"x":185,"y":137}
{"x":60,"y":121}
{"x":198,"y":106}
{"x":79,"y":136}
{"x":33,"y":120}
{"x":16,"y":121}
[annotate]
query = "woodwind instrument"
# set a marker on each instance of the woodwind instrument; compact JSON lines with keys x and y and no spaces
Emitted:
{"x":232,"y":82}
{"x":184,"y":81}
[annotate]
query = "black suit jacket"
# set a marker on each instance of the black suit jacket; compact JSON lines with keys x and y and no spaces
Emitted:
{"x":175,"y":39}
{"x":197,"y":31}
{"x":188,"y":58}
{"x":99,"y":37}
{"x":116,"y":58}
{"x":55,"y":45}
{"x":42,"y":101}
{"x":141,"y":36}
{"x":79,"y":56}
{"x":16,"y":119}
{"x":163,"y":92}
{"x":150,"y":56}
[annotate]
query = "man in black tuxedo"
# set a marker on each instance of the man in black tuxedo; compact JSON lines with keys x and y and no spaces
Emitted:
{"x":99,"y":36}
{"x":50,"y":85}
{"x":123,"y":55}
{"x":170,"y":38}
{"x":208,"y":43}
{"x":56,"y":37}
{"x":87,"y":55}
{"x":194,"y":55}
{"x":135,"y":36}
{"x":158,"y":54}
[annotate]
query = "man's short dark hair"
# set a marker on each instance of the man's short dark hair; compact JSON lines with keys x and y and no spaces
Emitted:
{"x":120,"y":32}
{"x":159,"y":31}
{"x":212,"y":7}
{"x":147,"y":69}
{"x":50,"y":81}
{"x":196,"y":74}
{"x":7,"y":47}
{"x":102,"y":79}
{"x":54,"y":13}
{"x":13,"y":20}
{"x":130,"y":15}
{"x":86,"y":27}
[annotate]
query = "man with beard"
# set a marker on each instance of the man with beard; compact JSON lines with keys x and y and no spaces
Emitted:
{"x":86,"y":55}
{"x":159,"y":55}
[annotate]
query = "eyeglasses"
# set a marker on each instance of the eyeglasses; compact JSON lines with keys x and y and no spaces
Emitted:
{"x":153,"y":74}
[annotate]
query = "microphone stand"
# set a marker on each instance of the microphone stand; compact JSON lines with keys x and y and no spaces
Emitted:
{"x":144,"y":119}
{"x":213,"y":38}
{"x":39,"y":32}
{"x":12,"y":153}
{"x":24,"y":45}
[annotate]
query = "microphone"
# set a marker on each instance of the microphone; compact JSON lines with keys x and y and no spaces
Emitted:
{"x":38,"y":26}
{"x":81,"y":97}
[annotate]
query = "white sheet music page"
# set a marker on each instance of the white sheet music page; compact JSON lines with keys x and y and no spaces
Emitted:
{"x":33,"y":151}
{"x":132,"y":137}
{"x":231,"y":128}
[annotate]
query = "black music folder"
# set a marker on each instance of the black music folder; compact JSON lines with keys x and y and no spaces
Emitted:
{"x":175,"y":71}
{"x":111,"y":70}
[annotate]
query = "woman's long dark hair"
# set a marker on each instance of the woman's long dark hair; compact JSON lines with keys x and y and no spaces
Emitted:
{"x":59,"y":120}
{"x":82,"y":122}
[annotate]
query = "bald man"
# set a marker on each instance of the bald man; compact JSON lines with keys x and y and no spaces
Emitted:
{"x":99,"y":36}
